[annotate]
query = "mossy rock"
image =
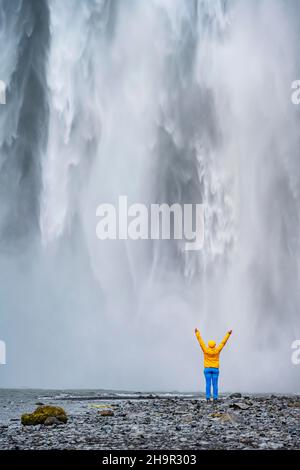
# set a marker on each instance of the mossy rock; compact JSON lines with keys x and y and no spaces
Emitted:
{"x":40,"y":415}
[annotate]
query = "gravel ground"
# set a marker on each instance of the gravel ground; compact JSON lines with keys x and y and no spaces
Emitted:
{"x":154,"y":422}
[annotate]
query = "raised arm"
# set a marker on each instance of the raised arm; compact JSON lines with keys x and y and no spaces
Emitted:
{"x":200,"y":340}
{"x":224,"y":341}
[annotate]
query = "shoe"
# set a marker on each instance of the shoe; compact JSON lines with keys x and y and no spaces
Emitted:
{"x":207,"y":400}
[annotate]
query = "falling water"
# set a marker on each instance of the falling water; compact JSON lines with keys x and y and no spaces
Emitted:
{"x":162,"y":101}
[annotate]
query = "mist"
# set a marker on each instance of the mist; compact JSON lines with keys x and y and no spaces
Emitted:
{"x":164,"y":101}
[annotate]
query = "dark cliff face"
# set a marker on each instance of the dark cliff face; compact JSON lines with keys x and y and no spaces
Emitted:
{"x":25,"y":35}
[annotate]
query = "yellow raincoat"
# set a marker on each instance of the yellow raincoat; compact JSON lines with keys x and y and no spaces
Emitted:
{"x":211,"y":352}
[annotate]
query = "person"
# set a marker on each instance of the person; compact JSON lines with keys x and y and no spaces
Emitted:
{"x":211,"y":363}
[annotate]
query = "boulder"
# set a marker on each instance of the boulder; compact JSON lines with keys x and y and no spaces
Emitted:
{"x":235,"y":395}
{"x":40,"y":415}
{"x":106,"y":413}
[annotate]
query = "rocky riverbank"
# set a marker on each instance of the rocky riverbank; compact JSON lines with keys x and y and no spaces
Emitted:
{"x":153,"y":422}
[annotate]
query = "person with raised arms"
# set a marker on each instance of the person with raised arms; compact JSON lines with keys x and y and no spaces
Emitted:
{"x":211,"y":363}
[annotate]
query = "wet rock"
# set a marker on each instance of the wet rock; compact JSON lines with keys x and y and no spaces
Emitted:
{"x":249,"y":402}
{"x":235,"y":395}
{"x":226,"y":417}
{"x":52,"y":421}
{"x":294,"y":404}
{"x":268,"y":424}
{"x":240,"y":406}
{"x":216,"y":415}
{"x":40,"y":415}
{"x":107,"y":413}
{"x":137,"y":435}
{"x":187,"y":419}
{"x":270,"y":445}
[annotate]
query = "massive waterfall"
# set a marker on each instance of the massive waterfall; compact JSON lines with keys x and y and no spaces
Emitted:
{"x":162,"y":101}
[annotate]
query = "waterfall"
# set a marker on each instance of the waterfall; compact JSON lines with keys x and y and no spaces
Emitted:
{"x":164,"y":101}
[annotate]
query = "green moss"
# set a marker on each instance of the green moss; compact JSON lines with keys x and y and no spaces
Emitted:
{"x":40,"y":415}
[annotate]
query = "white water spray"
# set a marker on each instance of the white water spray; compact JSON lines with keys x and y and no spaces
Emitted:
{"x":165,"y":101}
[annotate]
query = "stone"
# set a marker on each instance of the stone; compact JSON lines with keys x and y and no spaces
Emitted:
{"x":187,"y":419}
{"x":226,"y":417}
{"x":137,"y":435}
{"x":235,"y":395}
{"x":52,"y":421}
{"x":294,"y":404}
{"x":240,"y":406}
{"x":221,"y":427}
{"x":216,"y":415}
{"x":40,"y":415}
{"x":106,"y":413}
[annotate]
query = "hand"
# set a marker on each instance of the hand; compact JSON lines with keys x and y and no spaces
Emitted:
{"x":229,"y":332}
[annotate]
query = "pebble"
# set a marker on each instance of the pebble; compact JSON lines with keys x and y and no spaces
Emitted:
{"x":262,"y":422}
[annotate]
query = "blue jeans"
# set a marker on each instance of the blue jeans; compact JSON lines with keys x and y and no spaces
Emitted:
{"x":211,"y":377}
